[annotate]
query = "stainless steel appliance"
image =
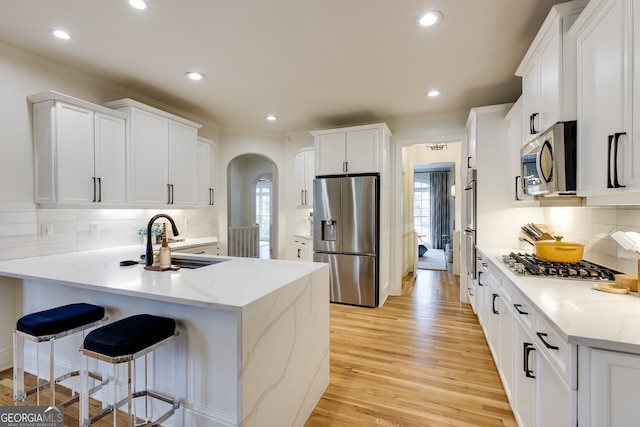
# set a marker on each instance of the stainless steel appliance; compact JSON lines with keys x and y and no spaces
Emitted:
{"x":346,"y":234}
{"x":469,"y":232}
{"x":526,"y":264}
{"x":549,"y":162}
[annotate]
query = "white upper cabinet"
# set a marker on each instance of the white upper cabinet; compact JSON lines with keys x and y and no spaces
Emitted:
{"x":515,"y":123}
{"x":357,"y":149}
{"x":79,"y":152}
{"x":548,"y":71}
{"x":162,"y":155}
{"x":205,"y":170}
{"x":304,"y":173}
{"x":608,"y":58}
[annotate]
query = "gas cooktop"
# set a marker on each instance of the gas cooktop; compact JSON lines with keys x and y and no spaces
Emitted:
{"x":526,"y":264}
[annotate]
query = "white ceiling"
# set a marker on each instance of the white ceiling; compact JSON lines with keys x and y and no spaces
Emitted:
{"x":313,"y":63}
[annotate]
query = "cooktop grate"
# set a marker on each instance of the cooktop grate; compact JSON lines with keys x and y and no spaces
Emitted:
{"x":526,"y":264}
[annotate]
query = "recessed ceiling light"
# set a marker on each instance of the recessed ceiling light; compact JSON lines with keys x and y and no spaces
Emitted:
{"x":271,"y":118}
{"x":433,"y":93}
{"x":61,"y":34}
{"x":430,"y":18}
{"x":138,"y":4}
{"x":194,"y":75}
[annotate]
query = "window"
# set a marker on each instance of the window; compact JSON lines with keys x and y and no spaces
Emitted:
{"x":263,"y":207}
{"x":422,"y":207}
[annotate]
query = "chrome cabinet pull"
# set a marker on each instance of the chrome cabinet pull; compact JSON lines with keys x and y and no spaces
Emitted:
{"x":541,"y":336}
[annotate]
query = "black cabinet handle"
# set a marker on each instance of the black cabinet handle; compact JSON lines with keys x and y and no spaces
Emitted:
{"x":469,"y":162}
{"x":516,"y":188}
{"x":532,"y":124}
{"x":479,"y":282}
{"x":99,"y":190}
{"x":610,"y":143}
{"x":517,"y":307}
{"x":616,"y":138}
{"x":527,"y":349}
{"x":94,"y":189}
{"x":541,"y":336}
{"x":211,"y":196}
{"x":493,"y":303}
{"x":169,"y":194}
{"x":469,"y":290}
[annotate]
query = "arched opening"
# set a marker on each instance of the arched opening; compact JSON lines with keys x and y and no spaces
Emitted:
{"x":252,"y":199}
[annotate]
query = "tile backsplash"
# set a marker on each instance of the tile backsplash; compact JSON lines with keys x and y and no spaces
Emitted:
{"x":27,"y":231}
{"x":593,"y":226}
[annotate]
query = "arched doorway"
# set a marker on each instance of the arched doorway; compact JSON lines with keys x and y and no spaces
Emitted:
{"x":252,"y":198}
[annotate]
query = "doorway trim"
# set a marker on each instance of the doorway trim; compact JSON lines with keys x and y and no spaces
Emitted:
{"x":397,"y":201}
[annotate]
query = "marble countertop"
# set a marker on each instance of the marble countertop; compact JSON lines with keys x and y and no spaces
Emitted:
{"x":229,"y":285}
{"x":580,"y":314}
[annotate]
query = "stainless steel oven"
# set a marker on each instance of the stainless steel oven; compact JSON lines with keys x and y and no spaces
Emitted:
{"x":470,"y":222}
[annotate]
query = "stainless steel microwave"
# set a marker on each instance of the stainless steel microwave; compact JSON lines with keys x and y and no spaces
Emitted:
{"x":548,"y":163}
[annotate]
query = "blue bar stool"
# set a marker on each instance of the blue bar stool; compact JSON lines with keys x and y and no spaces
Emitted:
{"x":50,"y":326}
{"x":125,"y":341}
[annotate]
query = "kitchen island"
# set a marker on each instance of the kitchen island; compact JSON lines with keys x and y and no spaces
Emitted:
{"x":254,"y":334}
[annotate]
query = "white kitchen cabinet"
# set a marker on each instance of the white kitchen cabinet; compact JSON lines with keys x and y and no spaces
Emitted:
{"x":548,"y":71}
{"x":505,"y":343}
{"x":472,"y":138}
{"x":205,"y":169}
{"x":608,"y":71}
{"x":357,"y":149}
{"x":206,"y":249}
{"x":515,"y":126}
{"x":303,"y":248}
{"x":524,"y":384}
{"x":611,"y":399}
{"x":304,"y":174}
{"x":162,"y":155}
{"x":79,"y":152}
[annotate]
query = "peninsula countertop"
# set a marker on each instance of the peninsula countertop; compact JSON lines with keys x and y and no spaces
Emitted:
{"x":580,"y":314}
{"x":229,"y":285}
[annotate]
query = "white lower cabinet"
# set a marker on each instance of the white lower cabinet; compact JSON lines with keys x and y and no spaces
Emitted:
{"x":538,"y":368}
{"x":613,"y":388}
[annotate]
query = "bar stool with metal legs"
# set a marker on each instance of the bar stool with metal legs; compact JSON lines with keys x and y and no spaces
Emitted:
{"x":125,"y":341}
{"x":50,"y":326}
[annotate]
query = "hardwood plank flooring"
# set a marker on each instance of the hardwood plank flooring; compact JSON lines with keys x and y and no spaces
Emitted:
{"x":420,"y":360}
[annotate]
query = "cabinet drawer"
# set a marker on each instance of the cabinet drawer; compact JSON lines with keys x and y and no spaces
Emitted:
{"x":524,"y":312}
{"x":562,"y":356}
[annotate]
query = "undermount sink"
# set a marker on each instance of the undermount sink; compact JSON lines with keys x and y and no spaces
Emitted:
{"x":194,"y":262}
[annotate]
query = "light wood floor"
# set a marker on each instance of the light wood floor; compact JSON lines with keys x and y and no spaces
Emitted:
{"x":420,"y":360}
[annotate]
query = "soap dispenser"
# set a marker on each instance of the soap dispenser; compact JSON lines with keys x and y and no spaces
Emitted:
{"x":165,"y":254}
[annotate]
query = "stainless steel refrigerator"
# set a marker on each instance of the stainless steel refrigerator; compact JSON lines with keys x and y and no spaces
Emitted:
{"x":346,"y":235}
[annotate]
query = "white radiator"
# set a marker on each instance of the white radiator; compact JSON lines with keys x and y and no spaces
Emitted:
{"x":244,"y":241}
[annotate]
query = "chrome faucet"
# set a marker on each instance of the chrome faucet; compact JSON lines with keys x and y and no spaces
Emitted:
{"x":148,"y":258}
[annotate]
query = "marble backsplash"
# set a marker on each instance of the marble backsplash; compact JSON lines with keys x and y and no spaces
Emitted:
{"x":26,"y":231}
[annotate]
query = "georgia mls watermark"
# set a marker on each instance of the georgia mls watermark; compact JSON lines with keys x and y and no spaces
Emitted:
{"x":31,"y":416}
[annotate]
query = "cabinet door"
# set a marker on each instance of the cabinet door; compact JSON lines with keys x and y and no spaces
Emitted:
{"x":524,"y":383}
{"x":601,"y":107}
{"x":330,"y":153}
{"x":363,"y":151}
{"x":471,"y":141}
{"x":615,"y":387}
{"x":550,"y":88}
{"x":310,"y":175}
{"x":75,"y":153}
{"x":300,"y":177}
{"x":556,"y":404}
{"x":110,"y":159}
{"x":506,"y":345}
{"x":204,"y":168}
{"x":531,"y":100}
{"x":149,"y":135}
{"x":516,"y":139}
{"x":182,"y":158}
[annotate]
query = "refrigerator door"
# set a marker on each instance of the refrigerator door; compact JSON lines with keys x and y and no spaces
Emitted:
{"x":327,"y":215}
{"x":359,"y":215}
{"x":352,"y":279}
